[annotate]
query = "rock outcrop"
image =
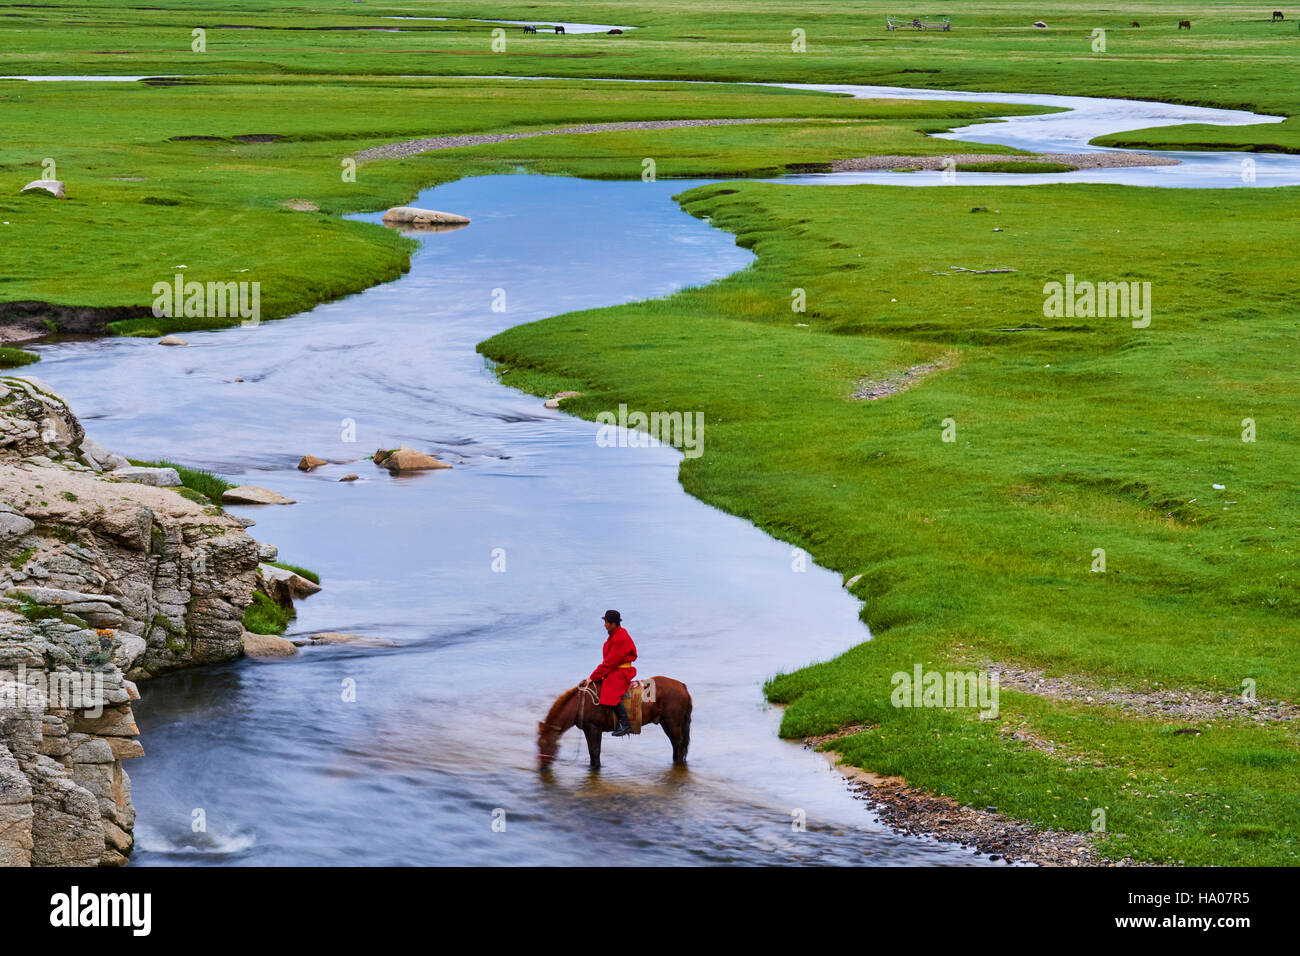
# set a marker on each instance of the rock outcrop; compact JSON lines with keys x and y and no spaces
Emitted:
{"x":103,"y":582}
{"x":253,"y":495}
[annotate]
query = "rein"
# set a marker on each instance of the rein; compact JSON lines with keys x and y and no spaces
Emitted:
{"x":586,"y":690}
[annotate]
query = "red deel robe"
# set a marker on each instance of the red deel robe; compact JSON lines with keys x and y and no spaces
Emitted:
{"x":619,"y":649}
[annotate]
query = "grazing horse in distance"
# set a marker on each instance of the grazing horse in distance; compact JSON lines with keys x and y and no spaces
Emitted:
{"x":1277,"y":15}
{"x":669,"y":707}
{"x":559,"y":29}
{"x":528,"y":29}
{"x":1184,"y":24}
{"x":1135,"y":24}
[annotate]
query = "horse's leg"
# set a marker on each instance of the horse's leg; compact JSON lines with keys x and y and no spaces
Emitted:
{"x":683,"y":742}
{"x":593,"y":745}
{"x":670,"y":728}
{"x":678,"y":729}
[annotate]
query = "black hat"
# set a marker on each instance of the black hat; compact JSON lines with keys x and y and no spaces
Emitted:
{"x":613,"y":617}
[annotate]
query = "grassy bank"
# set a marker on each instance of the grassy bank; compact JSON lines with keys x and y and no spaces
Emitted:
{"x":1076,"y":435}
{"x":16,"y":358}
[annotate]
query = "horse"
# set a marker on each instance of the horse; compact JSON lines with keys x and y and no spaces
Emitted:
{"x":1278,"y":15}
{"x":1135,"y":24}
{"x":669,"y":707}
{"x":559,"y":29}
{"x":1184,"y":24}
{"x":530,"y":29}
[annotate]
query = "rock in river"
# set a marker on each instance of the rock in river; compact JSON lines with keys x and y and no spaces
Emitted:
{"x":267,"y":645}
{"x":309,"y":462}
{"x":253,"y":495}
{"x":407,"y":459}
{"x":423,"y":217}
{"x":357,"y":640}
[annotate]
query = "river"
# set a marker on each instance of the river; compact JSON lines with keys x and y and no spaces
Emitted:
{"x":440,"y":740}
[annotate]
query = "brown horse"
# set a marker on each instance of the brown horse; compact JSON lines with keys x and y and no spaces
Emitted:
{"x":670,"y":708}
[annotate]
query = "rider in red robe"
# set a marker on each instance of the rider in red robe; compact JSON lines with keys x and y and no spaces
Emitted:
{"x":615,"y":670}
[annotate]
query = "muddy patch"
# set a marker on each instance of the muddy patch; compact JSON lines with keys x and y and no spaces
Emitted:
{"x":32,"y":320}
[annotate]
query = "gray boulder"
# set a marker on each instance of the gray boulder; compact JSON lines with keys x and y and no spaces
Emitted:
{"x":414,"y":216}
{"x":158,"y":477}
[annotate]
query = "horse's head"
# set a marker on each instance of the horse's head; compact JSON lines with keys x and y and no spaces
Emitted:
{"x":548,"y":741}
{"x":558,"y":718}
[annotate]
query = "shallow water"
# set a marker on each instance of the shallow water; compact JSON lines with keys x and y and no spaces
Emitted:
{"x":1069,"y":132}
{"x":92,"y":79}
{"x":441,"y":734}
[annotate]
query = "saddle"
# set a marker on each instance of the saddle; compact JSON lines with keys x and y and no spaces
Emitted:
{"x":637,"y":693}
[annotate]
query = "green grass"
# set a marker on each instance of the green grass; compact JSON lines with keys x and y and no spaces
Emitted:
{"x":311,"y":576}
{"x":203,"y":485}
{"x":1232,"y":56}
{"x":43,"y":612}
{"x":1087,"y":434}
{"x":264,"y":616}
{"x":536,"y":381}
{"x":16,"y":358}
{"x":1282,"y":138}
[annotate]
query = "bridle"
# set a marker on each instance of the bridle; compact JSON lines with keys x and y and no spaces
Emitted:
{"x":558,"y":730}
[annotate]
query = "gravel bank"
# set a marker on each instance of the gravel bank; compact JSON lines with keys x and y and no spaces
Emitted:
{"x":987,"y":832}
{"x":1149,"y":701}
{"x":412,"y":146}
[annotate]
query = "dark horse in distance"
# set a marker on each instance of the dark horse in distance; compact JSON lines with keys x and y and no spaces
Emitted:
{"x":668,"y":705}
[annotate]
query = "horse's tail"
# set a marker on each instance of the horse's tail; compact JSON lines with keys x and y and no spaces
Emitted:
{"x":686,"y":724}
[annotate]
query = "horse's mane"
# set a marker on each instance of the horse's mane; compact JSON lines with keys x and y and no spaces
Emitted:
{"x":559,"y":704}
